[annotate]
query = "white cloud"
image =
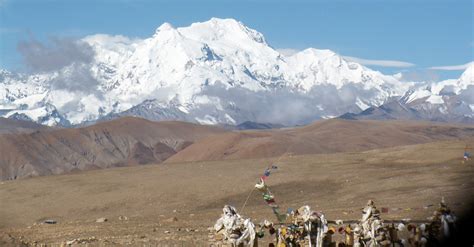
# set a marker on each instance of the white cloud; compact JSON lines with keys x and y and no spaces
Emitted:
{"x":288,"y":51}
{"x":452,"y":67}
{"x":419,"y":75}
{"x":382,"y":63}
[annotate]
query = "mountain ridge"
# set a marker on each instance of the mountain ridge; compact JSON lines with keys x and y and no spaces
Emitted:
{"x":444,"y":101}
{"x":214,"y":72}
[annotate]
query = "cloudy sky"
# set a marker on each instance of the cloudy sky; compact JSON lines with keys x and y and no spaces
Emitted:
{"x":418,"y":37}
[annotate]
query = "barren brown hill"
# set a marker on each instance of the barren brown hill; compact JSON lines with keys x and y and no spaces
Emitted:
{"x":329,"y":136}
{"x":121,"y":142}
{"x":9,"y":126}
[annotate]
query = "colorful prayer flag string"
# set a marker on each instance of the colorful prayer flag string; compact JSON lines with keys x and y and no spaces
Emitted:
{"x":268,"y":171}
{"x":267,"y":194}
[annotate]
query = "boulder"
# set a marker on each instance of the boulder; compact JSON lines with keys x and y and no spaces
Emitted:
{"x":101,"y":220}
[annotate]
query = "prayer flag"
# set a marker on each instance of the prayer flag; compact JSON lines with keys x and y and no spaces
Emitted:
{"x":267,"y":172}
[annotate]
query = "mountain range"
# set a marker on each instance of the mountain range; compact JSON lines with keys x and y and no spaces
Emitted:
{"x":217,"y":72}
{"x":445,"y":101}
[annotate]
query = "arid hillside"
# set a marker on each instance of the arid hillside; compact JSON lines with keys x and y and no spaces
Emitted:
{"x":174,"y":204}
{"x":9,"y":126}
{"x":121,"y":142}
{"x":329,"y":136}
{"x":135,"y":141}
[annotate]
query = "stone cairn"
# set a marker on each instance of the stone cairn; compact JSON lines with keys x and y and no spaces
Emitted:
{"x":231,"y":229}
{"x":304,"y":227}
{"x":371,"y":231}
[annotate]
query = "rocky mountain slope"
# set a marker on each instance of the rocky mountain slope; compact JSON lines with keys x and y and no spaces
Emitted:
{"x":121,"y":142}
{"x":9,"y":126}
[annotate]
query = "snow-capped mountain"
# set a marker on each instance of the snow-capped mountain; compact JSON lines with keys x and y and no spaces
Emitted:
{"x":218,"y":71}
{"x":448,"y":101}
{"x":445,"y":100}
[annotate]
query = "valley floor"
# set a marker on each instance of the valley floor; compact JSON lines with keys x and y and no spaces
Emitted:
{"x":175,"y":203}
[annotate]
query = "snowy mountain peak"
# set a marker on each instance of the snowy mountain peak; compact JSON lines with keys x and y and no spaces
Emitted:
{"x":227,"y":30}
{"x":319,"y":53}
{"x":468,"y":74}
{"x":164,"y":27}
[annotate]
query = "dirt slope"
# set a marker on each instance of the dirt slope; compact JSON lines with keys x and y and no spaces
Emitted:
{"x":328,"y":136}
{"x":149,"y":196}
{"x":126,"y":141}
{"x":9,"y":126}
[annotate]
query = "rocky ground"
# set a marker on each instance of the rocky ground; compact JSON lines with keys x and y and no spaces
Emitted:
{"x":174,"y":204}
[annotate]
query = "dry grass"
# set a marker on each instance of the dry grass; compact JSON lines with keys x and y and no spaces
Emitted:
{"x":405,"y":176}
{"x":327,"y":136}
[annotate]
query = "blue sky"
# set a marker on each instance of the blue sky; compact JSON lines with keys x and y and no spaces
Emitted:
{"x":413,"y":35}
